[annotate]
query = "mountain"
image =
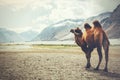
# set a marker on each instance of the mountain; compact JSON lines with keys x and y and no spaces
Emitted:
{"x":29,"y":35}
{"x":112,"y":24}
{"x":9,"y":36}
{"x":59,"y":30}
{"x":99,"y":17}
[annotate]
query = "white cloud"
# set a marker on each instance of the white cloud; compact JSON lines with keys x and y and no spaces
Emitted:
{"x":41,"y":19}
{"x":46,"y":4}
{"x":38,"y":14}
{"x":19,"y":4}
{"x":64,"y":9}
{"x":40,"y":23}
{"x":16,"y":4}
{"x":74,"y":9}
{"x":60,"y":14}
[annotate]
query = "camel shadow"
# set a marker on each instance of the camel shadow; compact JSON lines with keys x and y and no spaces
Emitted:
{"x":103,"y":73}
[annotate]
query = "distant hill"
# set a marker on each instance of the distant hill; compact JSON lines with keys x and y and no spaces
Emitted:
{"x":9,"y":36}
{"x":29,"y":35}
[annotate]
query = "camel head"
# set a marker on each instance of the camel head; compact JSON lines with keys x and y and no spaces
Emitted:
{"x":79,"y":39}
{"x":76,"y":32}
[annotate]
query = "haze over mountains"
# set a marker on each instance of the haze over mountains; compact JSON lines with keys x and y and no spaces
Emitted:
{"x":29,"y":35}
{"x":10,"y":36}
{"x":60,"y":31}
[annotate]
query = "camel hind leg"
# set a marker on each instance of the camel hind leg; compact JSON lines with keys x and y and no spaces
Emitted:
{"x":106,"y":50}
{"x":99,"y":50}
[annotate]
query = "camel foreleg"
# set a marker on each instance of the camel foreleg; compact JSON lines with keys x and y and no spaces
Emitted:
{"x":88,"y":56}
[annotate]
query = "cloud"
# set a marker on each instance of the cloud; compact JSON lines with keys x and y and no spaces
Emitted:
{"x":38,"y":14}
{"x":41,"y":19}
{"x":107,"y":5}
{"x":80,"y":8}
{"x":40,"y":23}
{"x":20,"y":4}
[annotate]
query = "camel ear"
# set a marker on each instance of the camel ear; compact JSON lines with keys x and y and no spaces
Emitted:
{"x":78,"y":32}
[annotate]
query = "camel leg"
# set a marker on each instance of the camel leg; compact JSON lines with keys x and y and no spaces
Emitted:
{"x":100,"y":57}
{"x":88,"y":56}
{"x":106,"y":49}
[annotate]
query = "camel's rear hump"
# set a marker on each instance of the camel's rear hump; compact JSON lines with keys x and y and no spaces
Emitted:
{"x":97,"y":24}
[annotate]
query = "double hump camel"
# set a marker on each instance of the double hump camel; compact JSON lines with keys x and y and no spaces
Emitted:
{"x":92,"y":37}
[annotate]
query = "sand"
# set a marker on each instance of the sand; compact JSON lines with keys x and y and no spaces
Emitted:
{"x":56,"y":64}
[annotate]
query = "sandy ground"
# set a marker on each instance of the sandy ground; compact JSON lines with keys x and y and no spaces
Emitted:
{"x":56,"y":64}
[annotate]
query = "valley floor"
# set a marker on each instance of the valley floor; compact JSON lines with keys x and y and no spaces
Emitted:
{"x":40,"y":62}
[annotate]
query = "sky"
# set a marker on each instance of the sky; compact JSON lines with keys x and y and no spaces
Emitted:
{"x":23,"y":15}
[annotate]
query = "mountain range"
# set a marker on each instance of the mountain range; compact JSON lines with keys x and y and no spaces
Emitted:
{"x":10,"y":36}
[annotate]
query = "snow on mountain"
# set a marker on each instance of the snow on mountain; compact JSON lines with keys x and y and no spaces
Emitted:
{"x":58,"y":30}
{"x":61,"y":29}
{"x":9,"y":36}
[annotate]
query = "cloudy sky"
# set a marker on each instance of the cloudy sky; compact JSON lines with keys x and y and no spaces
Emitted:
{"x":22,"y":15}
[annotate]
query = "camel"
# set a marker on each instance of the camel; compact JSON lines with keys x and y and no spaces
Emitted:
{"x":92,"y":37}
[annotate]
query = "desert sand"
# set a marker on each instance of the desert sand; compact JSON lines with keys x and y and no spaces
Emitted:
{"x":56,"y":63}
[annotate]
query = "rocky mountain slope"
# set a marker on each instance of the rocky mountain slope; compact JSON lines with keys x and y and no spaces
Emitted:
{"x":58,"y":31}
{"x":112,"y":24}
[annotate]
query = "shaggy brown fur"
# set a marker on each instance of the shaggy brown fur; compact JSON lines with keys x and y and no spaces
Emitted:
{"x":87,"y":26}
{"x":93,"y":37}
